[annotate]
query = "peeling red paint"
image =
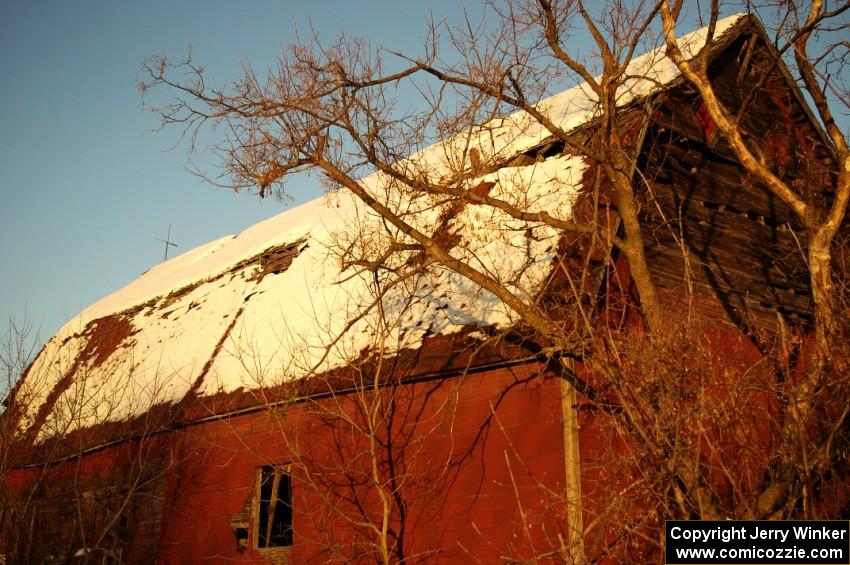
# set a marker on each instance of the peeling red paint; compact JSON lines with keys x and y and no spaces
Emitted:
{"x":709,"y":128}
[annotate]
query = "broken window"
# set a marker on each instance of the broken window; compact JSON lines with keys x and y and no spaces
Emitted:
{"x":274,"y":508}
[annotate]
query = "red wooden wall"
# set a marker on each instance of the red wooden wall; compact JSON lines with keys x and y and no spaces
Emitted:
{"x":477,"y":460}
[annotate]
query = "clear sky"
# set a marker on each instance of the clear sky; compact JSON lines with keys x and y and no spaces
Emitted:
{"x":86,"y":187}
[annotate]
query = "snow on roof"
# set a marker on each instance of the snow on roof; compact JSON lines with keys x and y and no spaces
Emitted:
{"x":273,"y":303}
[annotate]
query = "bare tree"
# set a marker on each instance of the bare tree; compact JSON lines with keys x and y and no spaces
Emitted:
{"x":822,"y":212}
{"x":330,"y":108}
{"x":57,"y":502}
{"x":357,"y":443}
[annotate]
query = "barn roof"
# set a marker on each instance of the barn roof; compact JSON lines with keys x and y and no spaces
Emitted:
{"x":272,"y":303}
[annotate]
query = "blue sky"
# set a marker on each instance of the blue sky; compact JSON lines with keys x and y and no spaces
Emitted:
{"x":86,"y":187}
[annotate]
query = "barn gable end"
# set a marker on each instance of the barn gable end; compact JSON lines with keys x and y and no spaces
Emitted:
{"x":745,"y":250}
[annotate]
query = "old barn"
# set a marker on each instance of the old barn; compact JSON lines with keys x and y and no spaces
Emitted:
{"x":265,"y":398}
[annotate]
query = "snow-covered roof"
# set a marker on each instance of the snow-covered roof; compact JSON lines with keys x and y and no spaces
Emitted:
{"x":275,"y":302}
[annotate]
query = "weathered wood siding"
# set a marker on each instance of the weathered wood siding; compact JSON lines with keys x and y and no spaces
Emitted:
{"x":718,"y":241}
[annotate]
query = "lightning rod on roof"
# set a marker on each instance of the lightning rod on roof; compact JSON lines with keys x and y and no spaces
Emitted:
{"x":167,"y":241}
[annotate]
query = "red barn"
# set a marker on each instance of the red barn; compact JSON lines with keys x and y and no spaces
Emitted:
{"x":265,"y":398}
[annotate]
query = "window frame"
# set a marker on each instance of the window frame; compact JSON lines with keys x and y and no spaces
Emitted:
{"x":278,"y":471}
